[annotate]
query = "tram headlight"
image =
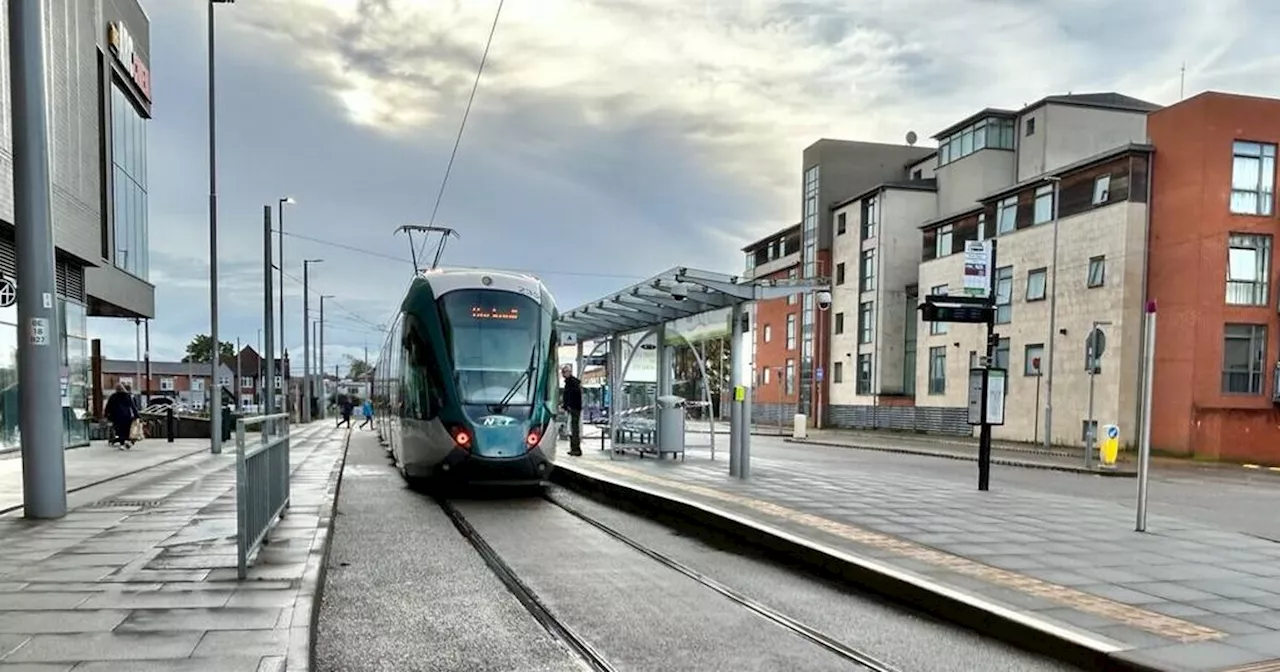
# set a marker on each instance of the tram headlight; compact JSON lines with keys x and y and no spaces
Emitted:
{"x":532,"y":439}
{"x":462,"y":438}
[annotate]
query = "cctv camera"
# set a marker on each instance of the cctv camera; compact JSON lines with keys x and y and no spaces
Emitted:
{"x":824,"y":300}
{"x":679,"y":291}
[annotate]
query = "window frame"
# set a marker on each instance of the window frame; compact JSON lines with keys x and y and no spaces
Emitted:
{"x":1004,"y":310}
{"x":1099,"y":262}
{"x":866,"y":322}
{"x":1027,"y":357}
{"x":937,"y":375}
{"x":862,"y":378}
{"x":939,"y":328}
{"x":867,"y":270}
{"x":1264,"y":153}
{"x":1043,"y":273}
{"x":1255,"y":368}
{"x":1250,"y":292}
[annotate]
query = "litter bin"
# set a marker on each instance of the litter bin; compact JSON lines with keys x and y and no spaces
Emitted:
{"x":670,"y":424}
{"x":228,"y":423}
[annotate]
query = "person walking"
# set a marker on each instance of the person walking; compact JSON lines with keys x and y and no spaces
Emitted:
{"x":367,"y":409}
{"x":571,"y":402}
{"x":121,"y":412}
{"x":344,"y":403}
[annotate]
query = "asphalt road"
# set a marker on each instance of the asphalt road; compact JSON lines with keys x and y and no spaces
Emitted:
{"x":405,"y":591}
{"x":1229,"y":498}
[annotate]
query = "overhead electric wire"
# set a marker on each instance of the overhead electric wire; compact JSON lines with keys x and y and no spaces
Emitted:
{"x":382,"y":255}
{"x":458,"y":140}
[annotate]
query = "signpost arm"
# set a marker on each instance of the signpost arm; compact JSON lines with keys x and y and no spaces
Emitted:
{"x":984,"y":431}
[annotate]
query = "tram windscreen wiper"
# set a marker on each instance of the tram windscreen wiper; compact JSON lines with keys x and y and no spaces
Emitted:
{"x":525,"y":375}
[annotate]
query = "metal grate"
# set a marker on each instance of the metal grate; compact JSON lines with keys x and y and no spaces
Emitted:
{"x":126,"y":503}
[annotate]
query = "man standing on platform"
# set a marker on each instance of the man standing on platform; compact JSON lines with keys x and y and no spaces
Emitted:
{"x":571,"y":402}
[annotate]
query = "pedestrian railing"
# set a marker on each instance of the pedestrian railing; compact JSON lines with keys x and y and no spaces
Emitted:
{"x":262,"y":482}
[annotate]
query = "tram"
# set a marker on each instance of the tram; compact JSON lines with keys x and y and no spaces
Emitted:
{"x":466,"y":386}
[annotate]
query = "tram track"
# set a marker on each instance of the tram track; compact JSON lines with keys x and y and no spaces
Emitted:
{"x":584,"y":649}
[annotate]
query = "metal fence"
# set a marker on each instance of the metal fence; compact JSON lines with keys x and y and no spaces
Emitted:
{"x":262,"y":482}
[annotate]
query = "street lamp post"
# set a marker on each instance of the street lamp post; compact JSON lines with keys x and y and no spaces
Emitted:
{"x":280,"y":243}
{"x":320,"y":356}
{"x":44,"y":494}
{"x":1053,"y":318}
{"x":305,"y":411}
{"x":215,"y":415}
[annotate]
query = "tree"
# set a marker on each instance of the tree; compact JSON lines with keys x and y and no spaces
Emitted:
{"x":357,"y":367}
{"x":200,"y":349}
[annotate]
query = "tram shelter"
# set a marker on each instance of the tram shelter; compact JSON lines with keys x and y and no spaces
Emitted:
{"x":650,"y":305}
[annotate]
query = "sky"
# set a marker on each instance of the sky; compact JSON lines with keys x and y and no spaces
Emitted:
{"x":609,"y":140}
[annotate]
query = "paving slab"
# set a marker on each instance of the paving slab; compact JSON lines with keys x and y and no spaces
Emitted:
{"x":143,"y":576}
{"x":1070,"y":567}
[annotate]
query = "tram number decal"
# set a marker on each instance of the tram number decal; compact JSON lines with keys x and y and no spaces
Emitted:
{"x":497,"y":421}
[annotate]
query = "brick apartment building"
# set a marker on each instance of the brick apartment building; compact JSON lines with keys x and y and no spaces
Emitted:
{"x":1211,"y":272}
{"x":775,"y":328}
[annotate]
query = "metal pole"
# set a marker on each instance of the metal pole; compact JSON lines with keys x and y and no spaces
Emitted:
{"x":735,"y":381}
{"x":1092,"y":430}
{"x":146,"y":360}
{"x":239,"y":386}
{"x":984,"y":429}
{"x":1144,"y":443}
{"x":1053,"y":320}
{"x":44,"y":477}
{"x":324,"y":394}
{"x":137,"y":354}
{"x":215,"y":414}
{"x":268,"y":320}
{"x":305,"y":411}
{"x":280,"y":238}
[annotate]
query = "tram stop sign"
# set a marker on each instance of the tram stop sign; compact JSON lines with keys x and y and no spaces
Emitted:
{"x":1094,"y":345}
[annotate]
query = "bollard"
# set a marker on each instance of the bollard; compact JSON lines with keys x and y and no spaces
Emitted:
{"x":169,"y":423}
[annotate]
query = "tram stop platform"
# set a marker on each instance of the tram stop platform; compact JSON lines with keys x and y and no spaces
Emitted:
{"x":1063,"y":575}
{"x":141,"y":573}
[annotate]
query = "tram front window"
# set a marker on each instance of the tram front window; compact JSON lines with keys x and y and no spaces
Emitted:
{"x":494,"y":338}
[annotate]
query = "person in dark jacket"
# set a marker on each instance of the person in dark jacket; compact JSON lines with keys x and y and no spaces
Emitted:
{"x":346,"y":406}
{"x":121,"y":412}
{"x":571,"y":402}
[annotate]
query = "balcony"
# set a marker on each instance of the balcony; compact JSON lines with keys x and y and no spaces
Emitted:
{"x":772,"y":266}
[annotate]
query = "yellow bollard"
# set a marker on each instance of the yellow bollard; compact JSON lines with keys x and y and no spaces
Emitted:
{"x":1110,"y":446}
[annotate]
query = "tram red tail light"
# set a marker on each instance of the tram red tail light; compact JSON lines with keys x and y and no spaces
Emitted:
{"x":531,"y":441}
{"x":461,"y":438}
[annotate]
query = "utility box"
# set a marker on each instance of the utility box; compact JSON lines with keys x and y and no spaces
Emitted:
{"x":670,"y":424}
{"x":801,"y":428}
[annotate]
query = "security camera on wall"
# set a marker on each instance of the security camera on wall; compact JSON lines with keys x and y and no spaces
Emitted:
{"x":824,"y":300}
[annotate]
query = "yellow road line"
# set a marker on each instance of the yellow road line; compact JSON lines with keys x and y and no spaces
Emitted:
{"x":1153,"y":622}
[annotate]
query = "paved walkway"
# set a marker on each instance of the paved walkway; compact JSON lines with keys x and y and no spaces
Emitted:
{"x":1003,"y":453}
{"x":1183,"y":596}
{"x":143,"y":578}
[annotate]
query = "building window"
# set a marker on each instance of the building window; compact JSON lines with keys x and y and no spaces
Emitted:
{"x":1097,"y":271}
{"x":768,"y":333}
{"x":864,"y":374}
{"x":246,"y":401}
{"x":840,"y":273}
{"x":1244,"y":353}
{"x":278,"y":382}
{"x":765,"y":375}
{"x":837,"y":372}
{"x":224,"y":381}
{"x":166,"y":384}
{"x":1002,"y":354}
{"x":789,"y":377}
{"x":197,"y":384}
{"x":917,"y":174}
{"x":129,"y":192}
{"x":1007,"y":215}
{"x":866,"y":321}
{"x":791,"y":298}
{"x":986,"y":133}
{"x":791,"y":331}
{"x":870,"y":216}
{"x":1248,"y":269}
{"x":839,"y":323}
{"x":867,"y":269}
{"x":938,"y":327}
{"x":1101,"y":189}
{"x":1044,"y":204}
{"x":1031,"y":127}
{"x":751,"y":260}
{"x":1032,"y":358}
{"x":938,"y":370}
{"x":1036,"y":281}
{"x":246,"y":381}
{"x":840,"y":224}
{"x":1253,"y":178}
{"x":943,"y":241}
{"x":1004,"y":295}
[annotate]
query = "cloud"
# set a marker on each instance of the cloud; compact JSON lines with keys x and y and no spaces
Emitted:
{"x":610,"y":139}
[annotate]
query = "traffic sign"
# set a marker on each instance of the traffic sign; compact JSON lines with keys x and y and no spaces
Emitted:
{"x":8,"y":292}
{"x":953,"y":311}
{"x":1113,"y":432}
{"x":819,"y":374}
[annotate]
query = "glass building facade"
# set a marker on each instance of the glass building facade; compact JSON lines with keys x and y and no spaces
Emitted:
{"x":129,"y":172}
{"x":75,"y":376}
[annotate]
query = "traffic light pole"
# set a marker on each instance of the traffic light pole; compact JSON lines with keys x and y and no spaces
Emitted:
{"x":984,"y":430}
